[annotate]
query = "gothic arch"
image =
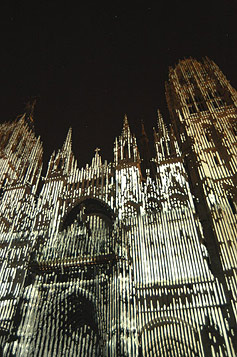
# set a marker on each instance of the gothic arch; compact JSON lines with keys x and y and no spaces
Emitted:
{"x":169,"y":336}
{"x":69,"y":315}
{"x":91,"y":206}
{"x":165,"y":320}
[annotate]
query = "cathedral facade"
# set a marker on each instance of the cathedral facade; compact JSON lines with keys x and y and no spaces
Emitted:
{"x":135,"y":257}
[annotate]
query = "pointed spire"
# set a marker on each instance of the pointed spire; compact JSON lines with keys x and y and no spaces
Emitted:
{"x":67,"y":146}
{"x":125,"y":147}
{"x":162,"y":129}
{"x":125,"y":121}
{"x":126,"y":128}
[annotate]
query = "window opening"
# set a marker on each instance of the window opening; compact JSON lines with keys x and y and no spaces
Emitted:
{"x":1,"y":189}
{"x":216,"y":160}
{"x":192,"y":109}
{"x":125,"y":153}
{"x":189,"y":100}
{"x":215,"y":105}
{"x":207,"y":137}
{"x":232,"y":205}
{"x":210,"y":95}
{"x":60,"y":164}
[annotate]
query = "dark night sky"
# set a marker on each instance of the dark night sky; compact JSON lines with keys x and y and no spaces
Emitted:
{"x":92,"y":63}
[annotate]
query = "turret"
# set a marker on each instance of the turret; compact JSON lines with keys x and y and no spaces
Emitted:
{"x":63,"y":161}
{"x":125,"y":147}
{"x":21,"y":150}
{"x":165,"y":142}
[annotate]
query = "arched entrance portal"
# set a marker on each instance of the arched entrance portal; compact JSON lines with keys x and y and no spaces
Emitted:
{"x":169,"y":337}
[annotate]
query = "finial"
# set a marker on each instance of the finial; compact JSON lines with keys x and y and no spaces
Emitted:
{"x":159,"y":114}
{"x":125,"y":121}
{"x":126,"y":129}
{"x":96,"y":161}
{"x":68,"y":141}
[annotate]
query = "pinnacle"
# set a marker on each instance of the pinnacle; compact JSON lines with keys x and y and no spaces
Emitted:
{"x":126,"y":128}
{"x":96,"y":161}
{"x":68,"y":141}
{"x":160,"y":120}
{"x":162,"y":130}
{"x":125,"y":121}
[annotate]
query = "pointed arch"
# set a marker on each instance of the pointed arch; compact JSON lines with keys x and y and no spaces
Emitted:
{"x":169,"y":336}
{"x":91,"y":206}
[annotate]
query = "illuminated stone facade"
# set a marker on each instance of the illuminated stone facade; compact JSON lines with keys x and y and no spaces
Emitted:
{"x":135,"y":257}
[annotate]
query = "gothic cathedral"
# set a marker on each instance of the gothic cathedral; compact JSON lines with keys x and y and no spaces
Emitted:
{"x":135,"y":257}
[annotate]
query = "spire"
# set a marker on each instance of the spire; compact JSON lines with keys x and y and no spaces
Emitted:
{"x":67,"y":146}
{"x":125,"y":148}
{"x":162,"y":139}
{"x":162,"y":129}
{"x":125,"y":121}
{"x":126,"y":129}
{"x":64,"y":159}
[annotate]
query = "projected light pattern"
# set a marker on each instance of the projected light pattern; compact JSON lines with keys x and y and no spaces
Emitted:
{"x":130,"y":258}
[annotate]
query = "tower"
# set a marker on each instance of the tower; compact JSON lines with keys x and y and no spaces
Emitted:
{"x":20,"y":171}
{"x":203,"y":111}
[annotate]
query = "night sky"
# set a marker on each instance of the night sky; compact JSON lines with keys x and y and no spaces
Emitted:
{"x":93,"y":63}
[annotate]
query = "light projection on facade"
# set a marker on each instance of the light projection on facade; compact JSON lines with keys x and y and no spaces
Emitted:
{"x":136,"y":257}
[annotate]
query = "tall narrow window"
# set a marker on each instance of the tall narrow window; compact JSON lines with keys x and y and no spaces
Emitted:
{"x":216,"y":160}
{"x":1,"y":189}
{"x":60,"y":164}
{"x":207,"y":137}
{"x":214,"y":104}
{"x":125,"y":152}
{"x":192,"y":109}
{"x":18,"y":141}
{"x":189,"y":100}
{"x":210,"y":95}
{"x":221,"y":103}
{"x":232,"y":205}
